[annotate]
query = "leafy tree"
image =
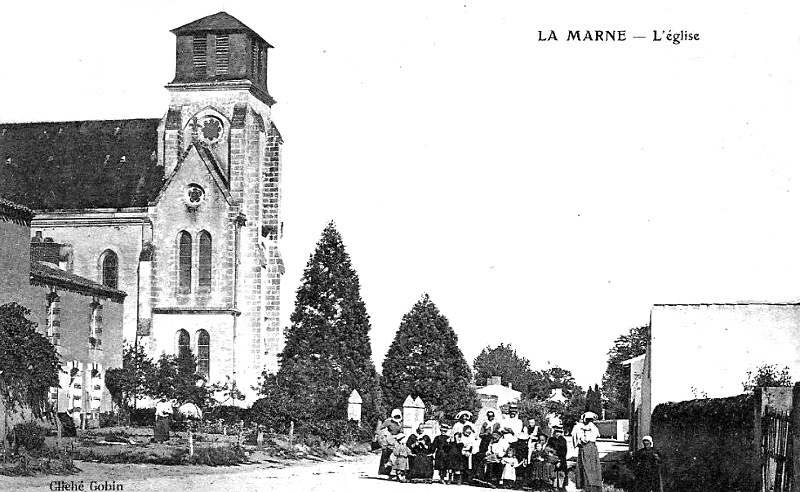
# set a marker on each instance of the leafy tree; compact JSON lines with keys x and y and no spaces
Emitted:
{"x":503,"y":361}
{"x":132,"y":381}
{"x":574,"y":408}
{"x":767,"y":375}
{"x":305,"y":390}
{"x":424,"y":360}
{"x":548,"y":379}
{"x":177,"y":378}
{"x":29,"y":363}
{"x":616,"y":380}
{"x":329,"y":332}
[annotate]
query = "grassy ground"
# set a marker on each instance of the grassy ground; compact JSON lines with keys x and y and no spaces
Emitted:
{"x":133,"y":445}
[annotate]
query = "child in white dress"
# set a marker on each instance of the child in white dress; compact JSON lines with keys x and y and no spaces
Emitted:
{"x":510,"y":464}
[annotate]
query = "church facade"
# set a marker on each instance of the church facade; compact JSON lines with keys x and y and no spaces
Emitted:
{"x":182,"y":213}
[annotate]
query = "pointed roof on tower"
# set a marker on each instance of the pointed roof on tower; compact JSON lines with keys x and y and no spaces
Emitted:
{"x":219,"y":22}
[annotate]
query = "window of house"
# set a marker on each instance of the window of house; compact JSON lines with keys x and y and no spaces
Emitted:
{"x":110,"y":266}
{"x":204,"y":263}
{"x":96,"y":325}
{"x":183,"y":347}
{"x":54,"y":318}
{"x":199,"y":50}
{"x":185,"y":263}
{"x":222,"y":54}
{"x":203,"y":352}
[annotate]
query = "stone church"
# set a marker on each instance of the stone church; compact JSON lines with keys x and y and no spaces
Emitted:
{"x":181,"y":213}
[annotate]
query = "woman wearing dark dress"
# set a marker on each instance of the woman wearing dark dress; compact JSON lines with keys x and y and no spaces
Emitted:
{"x":455,"y":459}
{"x":421,"y":461}
{"x":647,"y":466}
{"x":440,"y":448}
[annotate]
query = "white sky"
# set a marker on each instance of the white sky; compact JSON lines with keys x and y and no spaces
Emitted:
{"x":543,"y":194}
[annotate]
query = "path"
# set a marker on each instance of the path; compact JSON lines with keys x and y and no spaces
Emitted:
{"x":355,"y":475}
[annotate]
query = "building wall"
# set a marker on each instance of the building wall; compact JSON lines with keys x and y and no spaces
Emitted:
{"x":15,"y":262}
{"x":249,"y":155}
{"x":221,"y":332}
{"x":118,"y":232}
{"x":75,"y":317}
{"x":706,"y":350}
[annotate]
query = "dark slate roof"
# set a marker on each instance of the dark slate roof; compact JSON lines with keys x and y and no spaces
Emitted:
{"x":219,"y":22}
{"x":15,"y":212}
{"x":42,"y":274}
{"x":79,"y":164}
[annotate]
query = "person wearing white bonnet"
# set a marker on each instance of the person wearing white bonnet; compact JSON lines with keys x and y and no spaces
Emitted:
{"x":462,"y":418}
{"x":387,"y":431}
{"x":588,"y":474}
{"x":647,"y":467}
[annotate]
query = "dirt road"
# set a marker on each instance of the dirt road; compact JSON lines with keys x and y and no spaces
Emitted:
{"x":346,"y":476}
{"x":353,"y":475}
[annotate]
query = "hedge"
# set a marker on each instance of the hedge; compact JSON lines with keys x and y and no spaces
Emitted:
{"x":708,"y":445}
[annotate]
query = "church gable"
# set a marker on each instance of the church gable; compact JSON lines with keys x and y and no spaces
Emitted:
{"x":198,"y":170}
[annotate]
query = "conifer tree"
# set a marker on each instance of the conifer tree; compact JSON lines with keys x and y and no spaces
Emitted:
{"x":330,"y":327}
{"x":594,"y":402}
{"x":424,"y":360}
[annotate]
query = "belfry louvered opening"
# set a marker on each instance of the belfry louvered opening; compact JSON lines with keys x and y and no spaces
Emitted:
{"x":199,"y":51}
{"x":222,"y":54}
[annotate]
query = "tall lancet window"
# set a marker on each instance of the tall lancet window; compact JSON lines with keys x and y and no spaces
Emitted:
{"x":204,"y":263}
{"x":203,"y":352}
{"x":183,"y":347}
{"x":185,"y":263}
{"x":110,"y":267}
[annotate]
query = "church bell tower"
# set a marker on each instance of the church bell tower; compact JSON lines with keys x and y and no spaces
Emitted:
{"x":219,"y":123}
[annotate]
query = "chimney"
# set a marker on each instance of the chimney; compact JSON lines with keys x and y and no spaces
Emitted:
{"x":509,"y":386}
{"x":494,"y":380}
{"x":45,"y":250}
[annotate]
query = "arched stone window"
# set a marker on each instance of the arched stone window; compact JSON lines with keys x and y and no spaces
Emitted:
{"x":109,"y":264}
{"x":182,"y":339}
{"x":204,"y":263}
{"x":185,"y":263}
{"x":203,"y":352}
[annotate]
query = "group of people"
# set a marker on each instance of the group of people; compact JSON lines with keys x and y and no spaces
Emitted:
{"x":503,"y":452}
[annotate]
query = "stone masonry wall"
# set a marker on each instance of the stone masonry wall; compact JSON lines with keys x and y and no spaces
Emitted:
{"x":89,"y":242}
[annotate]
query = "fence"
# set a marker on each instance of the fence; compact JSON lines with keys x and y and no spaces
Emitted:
{"x":776,"y":451}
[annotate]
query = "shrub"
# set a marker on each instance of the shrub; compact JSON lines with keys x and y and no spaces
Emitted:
{"x":29,"y":435}
{"x":229,"y":414}
{"x":52,"y":462}
{"x":334,"y":432}
{"x":145,"y":417}
{"x":218,"y":456}
{"x":617,"y":468}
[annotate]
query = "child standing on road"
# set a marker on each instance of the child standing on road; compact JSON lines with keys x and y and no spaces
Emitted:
{"x":510,"y":464}
{"x":400,"y":454}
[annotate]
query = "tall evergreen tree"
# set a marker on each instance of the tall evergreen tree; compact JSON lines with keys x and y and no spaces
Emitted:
{"x":424,"y":360}
{"x":594,"y":402}
{"x":330,"y":326}
{"x":617,"y":378}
